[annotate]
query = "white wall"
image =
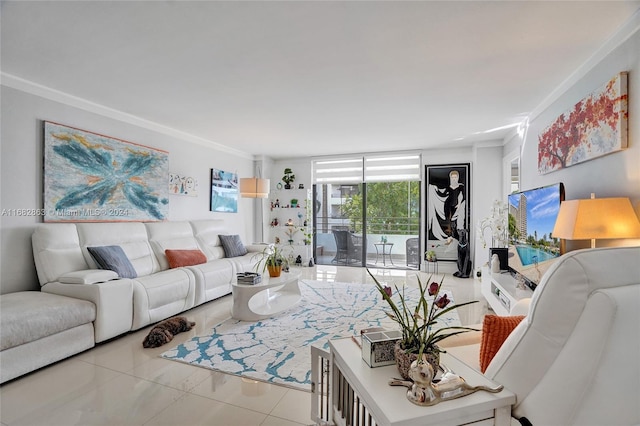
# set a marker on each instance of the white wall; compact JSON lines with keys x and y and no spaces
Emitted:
{"x":486,"y":188}
{"x":22,"y":179}
{"x":615,"y":175}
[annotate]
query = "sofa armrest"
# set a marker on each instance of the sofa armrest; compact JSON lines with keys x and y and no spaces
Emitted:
{"x":521,"y":307}
{"x":257,"y":248}
{"x":113,"y":300}
{"x":88,"y":276}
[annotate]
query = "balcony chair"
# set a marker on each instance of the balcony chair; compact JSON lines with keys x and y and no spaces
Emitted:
{"x":573,"y":360}
{"x":348,"y":247}
{"x":412,"y":246}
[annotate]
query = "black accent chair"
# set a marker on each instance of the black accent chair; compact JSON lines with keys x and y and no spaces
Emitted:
{"x":413,"y":252}
{"x":348,"y":247}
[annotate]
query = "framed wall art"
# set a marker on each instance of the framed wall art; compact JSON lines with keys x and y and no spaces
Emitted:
{"x":447,"y":207}
{"x":183,"y":185}
{"x":595,"y":126}
{"x":224,"y":191}
{"x":90,"y":177}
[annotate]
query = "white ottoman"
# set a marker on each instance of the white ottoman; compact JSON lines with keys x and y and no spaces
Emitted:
{"x":37,"y":329}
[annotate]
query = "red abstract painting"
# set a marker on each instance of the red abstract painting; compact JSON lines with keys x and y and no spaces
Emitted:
{"x":595,"y":126}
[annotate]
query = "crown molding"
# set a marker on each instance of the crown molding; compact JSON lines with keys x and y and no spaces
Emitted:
{"x":36,"y":89}
{"x":620,"y":36}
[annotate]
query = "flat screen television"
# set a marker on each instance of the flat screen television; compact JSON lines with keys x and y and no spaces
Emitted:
{"x":532,"y":247}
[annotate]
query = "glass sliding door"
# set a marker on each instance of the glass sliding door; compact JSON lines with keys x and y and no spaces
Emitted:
{"x":393,"y":224}
{"x":338,"y":226}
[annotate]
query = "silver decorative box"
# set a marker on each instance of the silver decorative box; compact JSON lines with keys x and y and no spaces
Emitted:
{"x":377,"y":347}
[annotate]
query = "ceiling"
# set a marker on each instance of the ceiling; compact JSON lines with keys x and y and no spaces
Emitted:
{"x":290,"y":79}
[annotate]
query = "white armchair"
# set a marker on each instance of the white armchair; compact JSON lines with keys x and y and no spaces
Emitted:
{"x":575,"y":358}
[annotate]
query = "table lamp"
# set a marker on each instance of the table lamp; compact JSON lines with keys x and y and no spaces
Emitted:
{"x":596,"y":218}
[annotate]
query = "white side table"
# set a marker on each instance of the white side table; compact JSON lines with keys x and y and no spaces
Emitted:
{"x":271,"y":296}
{"x":358,"y":391}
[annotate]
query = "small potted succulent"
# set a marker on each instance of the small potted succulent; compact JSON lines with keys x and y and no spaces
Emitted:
{"x":288,"y":178}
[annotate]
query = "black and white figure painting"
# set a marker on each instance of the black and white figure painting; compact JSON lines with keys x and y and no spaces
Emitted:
{"x":447,"y":208}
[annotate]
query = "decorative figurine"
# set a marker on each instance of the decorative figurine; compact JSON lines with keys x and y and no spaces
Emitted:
{"x":277,"y":204}
{"x":299,"y":260}
{"x":422,"y":391}
{"x":301,"y":186}
{"x":464,"y":255}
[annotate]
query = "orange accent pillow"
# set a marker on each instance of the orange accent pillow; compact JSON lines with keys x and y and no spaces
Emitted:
{"x":495,"y":330}
{"x":178,"y":258}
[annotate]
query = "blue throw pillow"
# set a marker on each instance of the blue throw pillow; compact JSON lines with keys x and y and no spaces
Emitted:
{"x":113,"y":258}
{"x":232,"y":245}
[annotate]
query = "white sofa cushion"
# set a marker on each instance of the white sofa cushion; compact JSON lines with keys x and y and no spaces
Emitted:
{"x":161,"y":295}
{"x":56,"y":251}
{"x":207,"y":234}
{"x":170,"y":235}
{"x":213,"y":279}
{"x":130,"y":236}
{"x":48,"y":314}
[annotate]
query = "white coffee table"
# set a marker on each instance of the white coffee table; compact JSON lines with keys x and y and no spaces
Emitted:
{"x":271,"y":296}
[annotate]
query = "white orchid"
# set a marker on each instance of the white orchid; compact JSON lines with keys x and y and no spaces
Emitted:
{"x":498,"y":222}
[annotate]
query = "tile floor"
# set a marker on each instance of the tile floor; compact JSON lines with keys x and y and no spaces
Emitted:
{"x":120,"y":383}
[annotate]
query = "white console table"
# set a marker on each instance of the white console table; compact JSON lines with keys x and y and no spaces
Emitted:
{"x":502,"y":292}
{"x":360,"y":395}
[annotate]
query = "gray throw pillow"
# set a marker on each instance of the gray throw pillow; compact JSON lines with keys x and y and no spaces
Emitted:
{"x":113,"y":258}
{"x":232,"y":245}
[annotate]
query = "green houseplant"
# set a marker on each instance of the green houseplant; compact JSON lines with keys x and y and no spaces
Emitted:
{"x":288,"y":178}
{"x":419,"y":336}
{"x":272,"y":259}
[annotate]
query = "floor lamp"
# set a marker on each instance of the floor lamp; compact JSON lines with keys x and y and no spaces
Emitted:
{"x":596,"y":218}
{"x":255,"y":188}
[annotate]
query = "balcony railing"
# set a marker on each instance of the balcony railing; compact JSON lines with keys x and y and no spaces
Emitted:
{"x":379,"y":225}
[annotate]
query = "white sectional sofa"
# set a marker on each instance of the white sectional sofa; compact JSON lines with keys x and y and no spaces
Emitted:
{"x":65,"y":267}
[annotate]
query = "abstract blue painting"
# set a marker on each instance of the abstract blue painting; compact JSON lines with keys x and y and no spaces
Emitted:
{"x":224,"y":191}
{"x":94,"y":178}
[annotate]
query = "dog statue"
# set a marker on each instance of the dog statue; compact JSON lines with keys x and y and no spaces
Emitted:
{"x":164,"y":331}
{"x":464,"y":255}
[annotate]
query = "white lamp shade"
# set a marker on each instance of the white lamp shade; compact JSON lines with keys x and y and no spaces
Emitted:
{"x":254,"y":187}
{"x":596,"y":218}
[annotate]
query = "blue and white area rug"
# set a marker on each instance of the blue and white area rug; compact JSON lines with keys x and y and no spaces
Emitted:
{"x":276,"y":350}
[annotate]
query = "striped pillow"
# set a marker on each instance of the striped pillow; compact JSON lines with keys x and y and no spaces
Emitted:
{"x":113,"y":258}
{"x":232,"y":245}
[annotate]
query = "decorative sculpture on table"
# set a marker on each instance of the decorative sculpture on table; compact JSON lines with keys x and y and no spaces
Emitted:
{"x":422,"y":391}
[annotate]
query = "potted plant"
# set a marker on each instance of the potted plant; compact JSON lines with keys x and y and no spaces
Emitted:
{"x":498,"y":223}
{"x":419,"y":336}
{"x":288,"y":178}
{"x":294,"y":202}
{"x":273,"y":259}
{"x":430,"y":255}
